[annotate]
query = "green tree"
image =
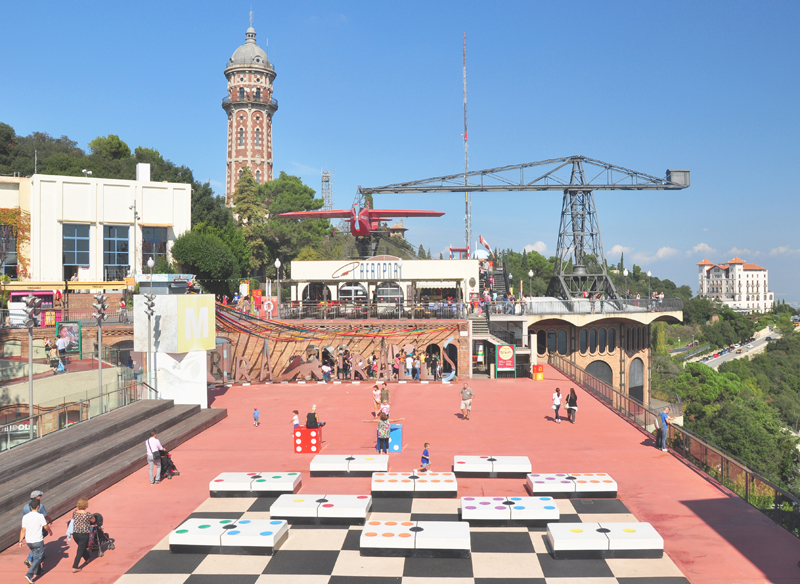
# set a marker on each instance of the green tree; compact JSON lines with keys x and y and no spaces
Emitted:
{"x":659,"y":338}
{"x":207,"y":257}
{"x":421,"y":252}
{"x":250,"y":212}
{"x":7,"y":143}
{"x":208,"y":208}
{"x":110,"y":146}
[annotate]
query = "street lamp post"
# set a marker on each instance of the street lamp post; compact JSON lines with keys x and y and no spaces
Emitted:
{"x":649,"y":296}
{"x":399,"y":302}
{"x":100,"y":315}
{"x":136,"y":217}
{"x":32,"y":310}
{"x":150,"y":311}
{"x":278,"y":278}
{"x":530,"y":282}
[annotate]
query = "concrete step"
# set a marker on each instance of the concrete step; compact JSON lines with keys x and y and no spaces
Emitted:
{"x":62,"y":497}
{"x":85,"y":456}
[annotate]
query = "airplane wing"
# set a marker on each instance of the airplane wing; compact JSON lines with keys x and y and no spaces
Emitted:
{"x":318,"y":215}
{"x":403,"y":213}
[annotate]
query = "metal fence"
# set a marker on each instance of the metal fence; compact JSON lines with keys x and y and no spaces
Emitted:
{"x":537,"y":306}
{"x":359,"y":311}
{"x":15,"y":318}
{"x":776,"y":502}
{"x":57,"y":417}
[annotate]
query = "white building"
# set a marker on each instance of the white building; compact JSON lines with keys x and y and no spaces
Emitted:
{"x":86,"y":226}
{"x":741,"y":286}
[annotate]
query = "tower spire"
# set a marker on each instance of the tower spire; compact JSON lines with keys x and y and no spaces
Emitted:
{"x":251,"y":16}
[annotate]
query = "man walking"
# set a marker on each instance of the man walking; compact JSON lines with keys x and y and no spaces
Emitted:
{"x":466,"y":401}
{"x":665,"y":420}
{"x":36,"y":496}
{"x":31,"y":533}
{"x":154,"y":449}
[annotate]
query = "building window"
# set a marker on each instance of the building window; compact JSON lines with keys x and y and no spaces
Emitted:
{"x":75,"y":246}
{"x":258,"y":137}
{"x":115,"y":252}
{"x":584,"y":341}
{"x":258,"y":176}
{"x":612,"y":340}
{"x":154,"y":244}
{"x":8,"y":251}
{"x":258,"y":93}
{"x":562,"y":342}
{"x":593,"y":341}
{"x":241,"y":93}
{"x":241,"y":136}
{"x":551,"y":341}
{"x":602,"y":342}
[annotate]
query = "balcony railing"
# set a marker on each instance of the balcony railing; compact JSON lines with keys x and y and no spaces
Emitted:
{"x":776,"y":502}
{"x":228,"y":100}
{"x":364,"y":311}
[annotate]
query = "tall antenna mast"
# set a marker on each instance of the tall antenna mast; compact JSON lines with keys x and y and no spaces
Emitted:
{"x":467,"y":194}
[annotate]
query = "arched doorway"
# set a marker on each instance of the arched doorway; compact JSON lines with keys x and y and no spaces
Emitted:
{"x":636,"y":380}
{"x":452,"y":351}
{"x":602,"y":371}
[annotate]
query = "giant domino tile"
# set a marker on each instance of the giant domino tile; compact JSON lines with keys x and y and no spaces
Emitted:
{"x":574,"y":485}
{"x":492,"y":466}
{"x":410,"y":484}
{"x":254,"y":484}
{"x":604,"y":540}
{"x":418,"y":539}
{"x":509,"y":511}
{"x":226,"y":536}
{"x":319,"y":509}
{"x":348,"y":465}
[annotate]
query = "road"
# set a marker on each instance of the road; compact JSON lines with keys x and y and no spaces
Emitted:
{"x":758,"y":346}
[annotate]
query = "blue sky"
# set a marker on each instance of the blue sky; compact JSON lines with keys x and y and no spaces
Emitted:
{"x":373,"y":91}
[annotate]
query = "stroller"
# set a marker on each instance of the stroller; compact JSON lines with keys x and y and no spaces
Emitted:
{"x":168,"y":468}
{"x":98,"y":537}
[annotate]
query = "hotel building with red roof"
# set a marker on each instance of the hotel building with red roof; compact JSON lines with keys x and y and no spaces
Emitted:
{"x":741,"y":286}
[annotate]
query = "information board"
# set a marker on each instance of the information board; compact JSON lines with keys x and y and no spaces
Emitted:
{"x":506,"y":358}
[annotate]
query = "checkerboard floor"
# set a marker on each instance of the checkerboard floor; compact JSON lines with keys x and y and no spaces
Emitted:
{"x":330,"y":554}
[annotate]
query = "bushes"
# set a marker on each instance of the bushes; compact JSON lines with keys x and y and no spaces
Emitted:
{"x":210,"y":259}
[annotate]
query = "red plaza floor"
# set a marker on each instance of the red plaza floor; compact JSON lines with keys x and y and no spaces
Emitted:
{"x":711,"y":535}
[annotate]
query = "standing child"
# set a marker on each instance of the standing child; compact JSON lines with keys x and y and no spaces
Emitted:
{"x":557,"y":404}
{"x":426,"y":459}
{"x":385,"y":407}
{"x":255,"y":417}
{"x":295,"y":418}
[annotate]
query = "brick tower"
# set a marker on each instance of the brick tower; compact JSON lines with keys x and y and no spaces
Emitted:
{"x":249,"y":105}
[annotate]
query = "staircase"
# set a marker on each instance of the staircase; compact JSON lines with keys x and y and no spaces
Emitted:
{"x":479,"y":329}
{"x":87,"y":458}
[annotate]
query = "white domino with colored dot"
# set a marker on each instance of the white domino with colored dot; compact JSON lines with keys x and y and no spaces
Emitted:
{"x":511,"y":464}
{"x":275,"y":482}
{"x":485,"y":509}
{"x":368,"y":463}
{"x":231,"y":482}
{"x":393,"y":481}
{"x":387,"y":535}
{"x":295,"y":506}
{"x":539,"y":509}
{"x":256,"y":536}
{"x":469,"y":464}
{"x":576,"y":537}
{"x":452,"y":536}
{"x":325,"y":463}
{"x":436,"y":482}
{"x":633,"y":536}
{"x":197,"y":534}
{"x":547,"y":483}
{"x":595,"y":483}
{"x":345,"y":506}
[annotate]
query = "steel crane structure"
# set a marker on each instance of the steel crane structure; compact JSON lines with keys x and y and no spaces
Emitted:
{"x":580,"y":263}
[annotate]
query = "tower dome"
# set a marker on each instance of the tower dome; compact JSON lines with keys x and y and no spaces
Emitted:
{"x":249,"y":53}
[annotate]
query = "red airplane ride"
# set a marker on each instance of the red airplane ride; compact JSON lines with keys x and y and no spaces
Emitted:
{"x":362,"y":222}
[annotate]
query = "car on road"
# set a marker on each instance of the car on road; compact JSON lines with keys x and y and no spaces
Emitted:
{"x":715,"y":355}
{"x":749,"y":346}
{"x":739,"y":351}
{"x":769,"y":338}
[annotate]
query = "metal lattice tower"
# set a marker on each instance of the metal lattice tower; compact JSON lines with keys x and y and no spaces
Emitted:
{"x":327,"y":192}
{"x":580,"y":267}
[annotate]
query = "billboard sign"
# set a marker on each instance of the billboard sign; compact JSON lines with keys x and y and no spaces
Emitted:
{"x":506,"y":358}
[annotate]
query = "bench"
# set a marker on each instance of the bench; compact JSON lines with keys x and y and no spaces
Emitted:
{"x":254,"y":484}
{"x":573,"y":485}
{"x":416,"y":539}
{"x":604,"y":540}
{"x":492,"y":466}
{"x":414,"y":484}
{"x":509,"y":511}
{"x":322,"y":509}
{"x":226,"y":536}
{"x":348,"y":465}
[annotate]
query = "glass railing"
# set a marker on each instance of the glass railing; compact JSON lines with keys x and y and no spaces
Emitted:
{"x":775,"y":501}
{"x":54,"y":417}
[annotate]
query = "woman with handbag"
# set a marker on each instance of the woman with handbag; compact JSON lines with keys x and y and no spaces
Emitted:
{"x":572,"y":405}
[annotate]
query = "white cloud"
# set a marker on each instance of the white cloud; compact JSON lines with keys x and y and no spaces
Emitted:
{"x":735,"y":251}
{"x":618,"y":249}
{"x":703,"y":248}
{"x":304,"y":169}
{"x":662,"y":254}
{"x":539,"y":246}
{"x":783,"y":251}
